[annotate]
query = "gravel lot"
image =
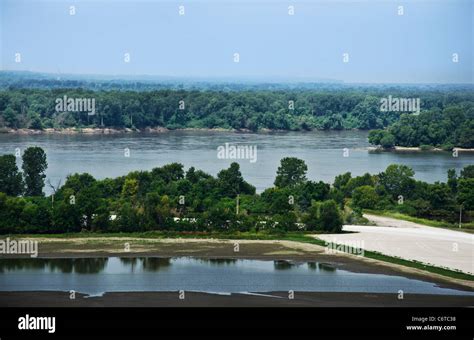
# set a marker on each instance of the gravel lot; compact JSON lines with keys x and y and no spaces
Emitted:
{"x":412,"y":241}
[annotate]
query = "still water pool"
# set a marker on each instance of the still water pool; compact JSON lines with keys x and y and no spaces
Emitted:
{"x":98,"y":275}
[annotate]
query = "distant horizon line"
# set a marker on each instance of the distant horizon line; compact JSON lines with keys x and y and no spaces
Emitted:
{"x":228,"y":78}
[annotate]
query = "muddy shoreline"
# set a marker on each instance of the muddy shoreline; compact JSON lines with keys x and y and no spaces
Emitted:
{"x":198,"y":299}
{"x":83,"y":131}
{"x":114,"y":131}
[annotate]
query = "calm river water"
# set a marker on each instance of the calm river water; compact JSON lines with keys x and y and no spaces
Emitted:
{"x":104,"y":156}
{"x":97,"y":275}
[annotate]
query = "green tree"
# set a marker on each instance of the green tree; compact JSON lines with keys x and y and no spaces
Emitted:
{"x":365,"y":197}
{"x":11,"y":181}
{"x":398,"y":180}
{"x":382,"y":138}
{"x":78,"y":182}
{"x":465,"y":134}
{"x":169,"y":172}
{"x":11,"y":117}
{"x":157,"y":210}
{"x":128,"y":219}
{"x":466,"y":193}
{"x":309,"y":191}
{"x":34,"y":121}
{"x":36,"y":217}
{"x":277,"y":200}
{"x":221,"y":215}
{"x":286,"y":222}
{"x":341,"y":181}
{"x":87,"y":202}
{"x":330,"y":217}
{"x":66,"y":217}
{"x":311,"y":218}
{"x":365,"y":179}
{"x":291,"y":172}
{"x":367,"y":111}
{"x":231,"y":182}
{"x":375,"y":136}
{"x":324,"y":216}
{"x":452,"y":180}
{"x":467,"y":172}
{"x":387,"y":141}
{"x":34,"y":166}
{"x":440,"y":196}
{"x":130,"y":189}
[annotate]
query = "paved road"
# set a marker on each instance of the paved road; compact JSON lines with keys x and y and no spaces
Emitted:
{"x":408,"y":240}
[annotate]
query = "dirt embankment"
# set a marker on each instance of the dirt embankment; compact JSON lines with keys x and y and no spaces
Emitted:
{"x":196,"y":299}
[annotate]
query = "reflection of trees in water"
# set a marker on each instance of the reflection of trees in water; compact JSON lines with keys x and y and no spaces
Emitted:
{"x":63,"y":265}
{"x":326,"y":267}
{"x":80,"y":265}
{"x":219,"y":262}
{"x":129,"y":262}
{"x":151,"y":264}
{"x":216,"y":262}
{"x":18,"y":264}
{"x":89,"y":266}
{"x":282,"y":265}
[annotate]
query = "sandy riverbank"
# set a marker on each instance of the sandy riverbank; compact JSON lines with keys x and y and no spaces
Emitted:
{"x":84,"y":131}
{"x":110,"y":131}
{"x":196,"y":299}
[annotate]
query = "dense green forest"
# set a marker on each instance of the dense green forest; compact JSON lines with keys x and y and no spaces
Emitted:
{"x":280,"y":110}
{"x":170,"y":198}
{"x":446,"y":117}
{"x":444,"y":128}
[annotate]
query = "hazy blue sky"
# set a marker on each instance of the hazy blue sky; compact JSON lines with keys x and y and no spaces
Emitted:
{"x":382,"y":46}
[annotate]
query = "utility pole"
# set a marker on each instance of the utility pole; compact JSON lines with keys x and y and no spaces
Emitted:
{"x":237,"y":208}
{"x":55,"y":189}
{"x":460,"y":215}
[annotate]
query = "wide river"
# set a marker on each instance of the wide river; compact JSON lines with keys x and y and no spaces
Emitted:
{"x":98,"y":275}
{"x":106,"y":155}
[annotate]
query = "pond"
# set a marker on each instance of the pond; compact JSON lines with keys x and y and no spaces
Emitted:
{"x":95,"y":276}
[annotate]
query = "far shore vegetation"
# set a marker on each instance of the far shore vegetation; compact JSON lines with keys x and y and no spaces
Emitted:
{"x":443,"y":120}
{"x":445,"y":129}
